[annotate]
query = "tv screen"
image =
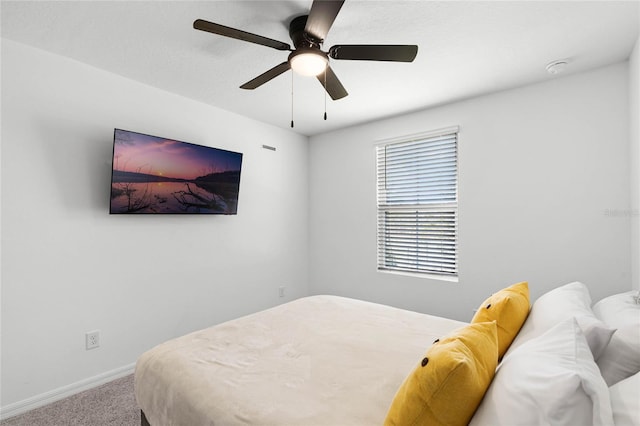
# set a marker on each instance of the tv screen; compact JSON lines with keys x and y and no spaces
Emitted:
{"x":151,"y":174}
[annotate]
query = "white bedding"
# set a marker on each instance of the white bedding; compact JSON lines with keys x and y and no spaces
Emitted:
{"x":320,"y":360}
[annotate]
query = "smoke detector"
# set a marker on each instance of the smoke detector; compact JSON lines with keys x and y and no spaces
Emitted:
{"x":557,"y":67}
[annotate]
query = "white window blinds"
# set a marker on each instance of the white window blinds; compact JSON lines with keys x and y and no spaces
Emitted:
{"x":418,"y":204}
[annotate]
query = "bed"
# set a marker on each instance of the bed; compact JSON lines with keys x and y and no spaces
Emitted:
{"x":328,"y":360}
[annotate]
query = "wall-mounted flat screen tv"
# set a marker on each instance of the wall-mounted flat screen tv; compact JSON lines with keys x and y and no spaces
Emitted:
{"x":151,"y":174}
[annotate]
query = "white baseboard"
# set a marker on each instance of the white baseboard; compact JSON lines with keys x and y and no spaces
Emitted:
{"x":25,"y":405}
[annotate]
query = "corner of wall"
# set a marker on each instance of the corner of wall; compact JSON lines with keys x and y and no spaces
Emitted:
{"x":634,"y":138}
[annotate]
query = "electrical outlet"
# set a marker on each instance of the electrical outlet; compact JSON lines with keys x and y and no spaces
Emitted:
{"x":281,"y":291}
{"x":92,"y":339}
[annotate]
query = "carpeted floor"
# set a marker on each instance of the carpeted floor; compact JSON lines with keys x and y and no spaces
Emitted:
{"x":112,"y":404}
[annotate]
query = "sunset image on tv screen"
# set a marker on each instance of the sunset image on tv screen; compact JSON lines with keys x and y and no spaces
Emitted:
{"x":158,"y":175}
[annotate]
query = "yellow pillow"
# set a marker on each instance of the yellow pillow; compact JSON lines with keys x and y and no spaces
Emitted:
{"x":509,"y":308}
{"x":448,"y":384}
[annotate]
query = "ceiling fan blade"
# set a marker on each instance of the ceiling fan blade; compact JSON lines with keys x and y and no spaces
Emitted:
{"x":202,"y":25}
{"x":374,"y":52}
{"x":334,"y":88}
{"x":266,"y":76}
{"x":321,"y":17}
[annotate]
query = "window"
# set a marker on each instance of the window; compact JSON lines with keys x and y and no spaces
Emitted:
{"x":418,"y":204}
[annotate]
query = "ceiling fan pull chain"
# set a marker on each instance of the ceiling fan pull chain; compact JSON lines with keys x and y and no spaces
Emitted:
{"x":325,"y":95}
{"x":292,"y":100}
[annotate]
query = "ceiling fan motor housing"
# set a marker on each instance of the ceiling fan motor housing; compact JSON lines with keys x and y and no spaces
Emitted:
{"x":298,"y":36}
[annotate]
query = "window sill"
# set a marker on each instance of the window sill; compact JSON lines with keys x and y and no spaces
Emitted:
{"x":421,"y":275}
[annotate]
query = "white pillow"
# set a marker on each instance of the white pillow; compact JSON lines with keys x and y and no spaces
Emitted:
{"x":619,"y":310}
{"x":568,"y":301}
{"x":625,"y":401}
{"x":621,"y":359}
{"x":549,"y":380}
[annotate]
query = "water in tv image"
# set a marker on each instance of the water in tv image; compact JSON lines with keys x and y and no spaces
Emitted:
{"x":158,"y":175}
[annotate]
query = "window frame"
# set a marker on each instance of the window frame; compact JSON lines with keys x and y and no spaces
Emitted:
{"x":428,"y":207}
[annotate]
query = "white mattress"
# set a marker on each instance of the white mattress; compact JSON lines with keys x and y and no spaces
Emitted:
{"x":320,"y":360}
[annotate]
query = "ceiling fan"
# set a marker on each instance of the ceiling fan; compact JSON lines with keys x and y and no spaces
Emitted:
{"x":308,"y":32}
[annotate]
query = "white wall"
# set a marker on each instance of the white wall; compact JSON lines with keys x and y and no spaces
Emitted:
{"x":69,"y":267}
{"x":634,"y":137}
{"x":539,"y":168}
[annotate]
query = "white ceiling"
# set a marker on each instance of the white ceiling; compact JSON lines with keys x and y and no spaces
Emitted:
{"x":466,"y":48}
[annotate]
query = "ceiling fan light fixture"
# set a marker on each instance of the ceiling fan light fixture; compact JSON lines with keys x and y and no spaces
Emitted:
{"x":309,"y":62}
